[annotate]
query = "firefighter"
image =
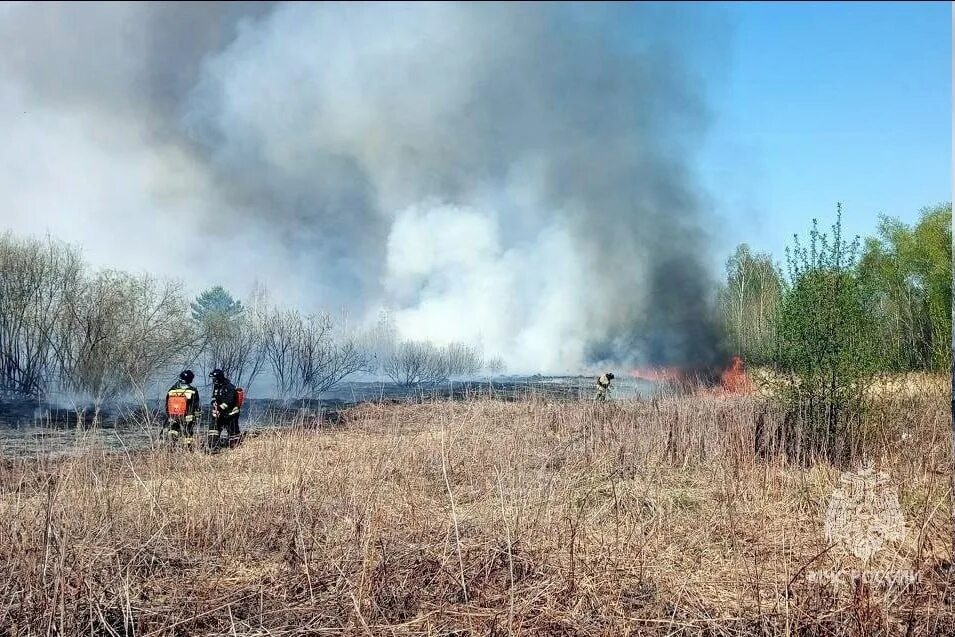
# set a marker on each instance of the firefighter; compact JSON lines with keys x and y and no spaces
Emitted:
{"x":225,"y":410}
{"x":183,"y":408}
{"x":603,"y":386}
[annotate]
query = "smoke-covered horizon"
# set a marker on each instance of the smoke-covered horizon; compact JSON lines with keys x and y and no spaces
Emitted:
{"x":514,"y":175}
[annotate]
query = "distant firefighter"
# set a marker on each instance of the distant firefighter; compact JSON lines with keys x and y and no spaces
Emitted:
{"x":183,"y":408}
{"x":603,"y":386}
{"x":226,"y":401}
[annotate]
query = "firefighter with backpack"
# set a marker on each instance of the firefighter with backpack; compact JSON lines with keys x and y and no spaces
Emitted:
{"x":183,"y":408}
{"x":603,"y":386}
{"x":226,"y":403}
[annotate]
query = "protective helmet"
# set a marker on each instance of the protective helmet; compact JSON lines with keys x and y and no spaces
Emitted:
{"x":217,"y":375}
{"x":186,"y":376}
{"x":609,"y":375}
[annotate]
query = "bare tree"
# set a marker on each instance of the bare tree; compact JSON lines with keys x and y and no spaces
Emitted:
{"x":280,"y":333}
{"x":462,"y":360}
{"x":326,"y":358}
{"x":35,"y":279}
{"x":233,"y":344}
{"x":118,"y":333}
{"x":307,"y":354}
{"x":495,"y":365}
{"x":158,"y":332}
{"x":414,"y":363}
{"x":89,"y":342}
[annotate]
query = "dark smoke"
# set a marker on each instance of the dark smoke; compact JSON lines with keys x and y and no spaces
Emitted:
{"x":515,"y":173}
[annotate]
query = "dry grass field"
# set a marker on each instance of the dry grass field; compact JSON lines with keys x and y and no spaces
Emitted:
{"x":477,"y":518}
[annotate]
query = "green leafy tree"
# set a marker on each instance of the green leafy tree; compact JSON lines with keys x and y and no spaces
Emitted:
{"x":908,"y":270}
{"x":825,"y":340}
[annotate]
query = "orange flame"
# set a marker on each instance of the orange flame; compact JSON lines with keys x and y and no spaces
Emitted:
{"x":734,"y":378}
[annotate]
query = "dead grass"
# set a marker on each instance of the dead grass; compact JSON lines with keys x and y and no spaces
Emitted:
{"x":473,"y":518}
{"x":888,"y":386}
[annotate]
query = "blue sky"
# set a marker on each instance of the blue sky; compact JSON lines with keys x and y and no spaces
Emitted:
{"x":822,"y":103}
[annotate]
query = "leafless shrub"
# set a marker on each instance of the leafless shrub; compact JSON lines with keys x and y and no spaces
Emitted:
{"x":414,"y":363}
{"x":307,"y":354}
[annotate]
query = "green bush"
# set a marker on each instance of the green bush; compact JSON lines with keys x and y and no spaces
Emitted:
{"x":826,"y":344}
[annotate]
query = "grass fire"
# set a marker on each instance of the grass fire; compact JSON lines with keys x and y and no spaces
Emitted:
{"x":464,"y":319}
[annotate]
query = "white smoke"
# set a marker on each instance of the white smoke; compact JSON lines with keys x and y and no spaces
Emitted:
{"x":454,"y":281}
{"x":514,"y":175}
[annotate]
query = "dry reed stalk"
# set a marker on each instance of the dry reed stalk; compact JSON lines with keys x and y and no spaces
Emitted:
{"x":640,"y":517}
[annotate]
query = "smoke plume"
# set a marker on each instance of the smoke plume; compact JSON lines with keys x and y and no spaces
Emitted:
{"x":518,"y":175}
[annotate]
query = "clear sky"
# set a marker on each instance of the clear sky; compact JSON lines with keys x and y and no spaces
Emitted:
{"x":822,"y":103}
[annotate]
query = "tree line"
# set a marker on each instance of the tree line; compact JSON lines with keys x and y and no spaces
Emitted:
{"x":891,"y":296}
{"x":69,"y":331}
{"x":837,"y":311}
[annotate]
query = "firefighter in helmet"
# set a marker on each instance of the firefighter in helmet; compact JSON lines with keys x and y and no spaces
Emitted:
{"x":603,"y":386}
{"x":225,"y":410}
{"x":183,"y":408}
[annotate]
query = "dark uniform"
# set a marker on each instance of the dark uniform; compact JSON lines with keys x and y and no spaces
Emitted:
{"x":603,"y":386}
{"x":225,"y":410}
{"x":183,"y":425}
